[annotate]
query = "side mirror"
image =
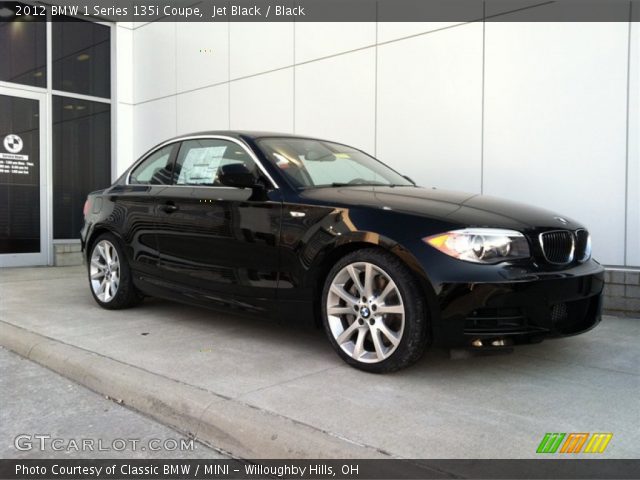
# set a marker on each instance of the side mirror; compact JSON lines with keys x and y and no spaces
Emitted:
{"x":236,"y":175}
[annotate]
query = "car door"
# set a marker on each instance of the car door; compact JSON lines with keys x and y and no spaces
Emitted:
{"x":218,"y":244}
{"x":134,"y":209}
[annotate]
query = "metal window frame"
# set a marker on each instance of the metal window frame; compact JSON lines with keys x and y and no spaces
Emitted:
{"x":46,"y":249}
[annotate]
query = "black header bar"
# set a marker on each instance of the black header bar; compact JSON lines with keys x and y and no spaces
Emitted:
{"x":325,"y":10}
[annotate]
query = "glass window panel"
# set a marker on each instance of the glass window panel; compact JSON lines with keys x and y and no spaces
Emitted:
{"x":81,"y":159}
{"x":24,"y":49}
{"x":81,"y":58}
{"x":309,"y":163}
{"x":155,"y":169}
{"x":19,"y":175}
{"x":199,"y":161}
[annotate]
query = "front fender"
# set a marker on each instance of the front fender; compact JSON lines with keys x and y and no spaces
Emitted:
{"x":314,"y":238}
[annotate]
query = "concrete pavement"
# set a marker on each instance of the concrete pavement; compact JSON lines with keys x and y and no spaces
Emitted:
{"x":44,"y":415}
{"x":265,"y":389}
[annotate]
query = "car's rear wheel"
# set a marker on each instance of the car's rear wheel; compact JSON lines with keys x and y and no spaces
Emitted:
{"x":110,"y":275}
{"x":374,"y":312}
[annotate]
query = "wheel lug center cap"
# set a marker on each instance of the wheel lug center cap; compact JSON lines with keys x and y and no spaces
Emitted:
{"x":365,"y":312}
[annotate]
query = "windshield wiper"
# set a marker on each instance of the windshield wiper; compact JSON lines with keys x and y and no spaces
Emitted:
{"x":346,"y":184}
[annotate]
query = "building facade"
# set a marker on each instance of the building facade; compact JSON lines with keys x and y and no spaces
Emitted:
{"x":543,"y":113}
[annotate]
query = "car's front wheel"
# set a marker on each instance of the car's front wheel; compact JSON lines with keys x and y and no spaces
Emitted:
{"x":374,"y":312}
{"x":110,"y":275}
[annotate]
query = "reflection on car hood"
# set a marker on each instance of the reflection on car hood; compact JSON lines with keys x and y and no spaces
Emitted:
{"x":456,"y":207}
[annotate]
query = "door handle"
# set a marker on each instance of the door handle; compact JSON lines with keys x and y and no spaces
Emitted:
{"x":169,"y":207}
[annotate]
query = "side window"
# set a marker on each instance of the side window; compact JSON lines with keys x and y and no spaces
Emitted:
{"x":199,"y":161}
{"x":155,"y":169}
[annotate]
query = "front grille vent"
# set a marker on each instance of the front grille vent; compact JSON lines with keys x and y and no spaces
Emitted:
{"x":558,"y":246}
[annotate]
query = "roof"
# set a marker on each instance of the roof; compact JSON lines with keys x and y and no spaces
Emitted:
{"x":241,"y":134}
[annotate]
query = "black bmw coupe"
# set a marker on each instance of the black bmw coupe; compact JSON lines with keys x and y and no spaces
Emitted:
{"x":289,"y":226}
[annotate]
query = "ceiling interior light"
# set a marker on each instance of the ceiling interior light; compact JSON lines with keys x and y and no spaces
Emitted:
{"x":83,"y":57}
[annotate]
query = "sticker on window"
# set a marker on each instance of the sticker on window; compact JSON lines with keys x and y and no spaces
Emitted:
{"x":13,"y":162}
{"x":201,"y":166}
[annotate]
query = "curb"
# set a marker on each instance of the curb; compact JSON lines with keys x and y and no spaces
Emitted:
{"x":241,"y":430}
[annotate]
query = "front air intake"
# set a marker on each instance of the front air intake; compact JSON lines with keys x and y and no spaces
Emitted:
{"x":558,"y":246}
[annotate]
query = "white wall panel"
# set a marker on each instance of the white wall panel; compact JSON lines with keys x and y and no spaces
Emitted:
{"x":555,"y":122}
{"x":124,"y":63}
{"x":430,"y":107}
{"x":258,"y":47}
{"x":263,"y":102}
{"x":153,"y":122}
{"x":202,"y":54}
{"x":335,"y":99}
{"x":633,"y":199}
{"x":320,"y":39}
{"x":154,"y":60}
{"x":203,"y":109}
{"x":124,"y":138}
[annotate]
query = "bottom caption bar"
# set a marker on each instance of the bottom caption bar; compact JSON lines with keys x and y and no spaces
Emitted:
{"x":317,"y":469}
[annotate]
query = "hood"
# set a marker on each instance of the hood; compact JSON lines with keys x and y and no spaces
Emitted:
{"x":450,"y":206}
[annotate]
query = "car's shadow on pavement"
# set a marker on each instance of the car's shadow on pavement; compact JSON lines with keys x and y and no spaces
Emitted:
{"x":294,"y":336}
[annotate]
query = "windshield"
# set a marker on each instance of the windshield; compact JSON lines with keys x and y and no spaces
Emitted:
{"x":314,"y":163}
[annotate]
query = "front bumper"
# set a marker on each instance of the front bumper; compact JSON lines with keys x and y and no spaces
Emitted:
{"x":516,"y":312}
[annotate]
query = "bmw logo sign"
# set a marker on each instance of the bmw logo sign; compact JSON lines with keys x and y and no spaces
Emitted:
{"x":561,"y":220}
{"x":13,"y":143}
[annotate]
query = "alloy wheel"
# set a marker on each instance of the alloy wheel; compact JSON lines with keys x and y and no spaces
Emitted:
{"x":104,"y":271}
{"x":365,"y":312}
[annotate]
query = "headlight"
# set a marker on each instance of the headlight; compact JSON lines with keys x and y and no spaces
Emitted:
{"x":481,"y":245}
{"x":587,"y":250}
{"x":583,"y":245}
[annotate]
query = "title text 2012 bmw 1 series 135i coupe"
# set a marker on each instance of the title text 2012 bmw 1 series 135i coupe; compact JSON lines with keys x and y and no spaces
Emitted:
{"x":287,"y":226}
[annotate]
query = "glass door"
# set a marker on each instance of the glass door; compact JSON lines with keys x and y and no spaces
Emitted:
{"x":23,"y":179}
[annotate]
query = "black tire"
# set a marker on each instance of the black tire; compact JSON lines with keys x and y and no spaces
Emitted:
{"x":126,"y":295}
{"x":415,"y":334}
